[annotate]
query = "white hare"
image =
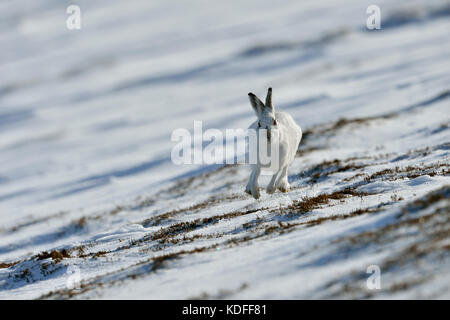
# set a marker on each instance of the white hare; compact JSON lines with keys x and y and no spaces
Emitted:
{"x":289,"y":135}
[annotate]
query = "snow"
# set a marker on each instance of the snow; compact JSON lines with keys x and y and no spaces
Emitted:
{"x":86,"y":119}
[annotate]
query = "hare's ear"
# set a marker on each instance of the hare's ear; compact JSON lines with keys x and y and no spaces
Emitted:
{"x":269,"y":99}
{"x":257,"y":104}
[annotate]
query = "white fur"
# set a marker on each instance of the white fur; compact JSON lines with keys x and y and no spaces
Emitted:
{"x":289,"y":135}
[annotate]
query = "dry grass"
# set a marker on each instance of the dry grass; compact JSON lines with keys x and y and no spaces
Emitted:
{"x":411,"y":172}
{"x":55,"y":255}
{"x":307,"y":204}
{"x":5,"y":265}
{"x":165,"y":234}
{"x":156,"y":263}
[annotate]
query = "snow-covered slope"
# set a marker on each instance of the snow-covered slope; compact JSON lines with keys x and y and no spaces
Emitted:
{"x":88,"y":191}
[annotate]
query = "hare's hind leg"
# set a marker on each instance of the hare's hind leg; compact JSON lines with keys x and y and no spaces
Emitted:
{"x":282,"y":183}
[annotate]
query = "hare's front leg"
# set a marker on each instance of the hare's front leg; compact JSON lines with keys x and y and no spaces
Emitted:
{"x":283,"y":184}
{"x":252,"y":185}
{"x":248,"y":188}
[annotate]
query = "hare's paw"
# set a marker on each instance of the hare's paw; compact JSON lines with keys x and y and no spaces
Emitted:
{"x":270,"y":188}
{"x":255,"y":193}
{"x":284,"y":186}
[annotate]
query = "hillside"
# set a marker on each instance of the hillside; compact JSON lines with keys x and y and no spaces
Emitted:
{"x":89,"y":195}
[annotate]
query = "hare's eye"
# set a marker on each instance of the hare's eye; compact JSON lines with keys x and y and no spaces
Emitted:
{"x":274,"y":122}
